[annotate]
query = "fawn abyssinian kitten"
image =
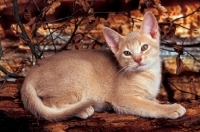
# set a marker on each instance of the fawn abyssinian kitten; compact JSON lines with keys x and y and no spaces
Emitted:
{"x":125,"y":79}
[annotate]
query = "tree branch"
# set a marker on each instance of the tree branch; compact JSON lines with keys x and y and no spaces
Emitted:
{"x":24,"y":35}
{"x":76,"y":27}
{"x":8,"y":74}
{"x":197,"y":10}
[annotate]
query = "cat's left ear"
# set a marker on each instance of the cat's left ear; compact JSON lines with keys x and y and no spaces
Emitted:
{"x":112,"y":38}
{"x":150,"y":25}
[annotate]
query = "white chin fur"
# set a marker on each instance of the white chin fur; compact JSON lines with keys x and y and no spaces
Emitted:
{"x":136,"y":67}
{"x":142,"y":68}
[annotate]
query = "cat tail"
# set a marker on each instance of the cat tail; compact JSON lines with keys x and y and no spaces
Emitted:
{"x":35,"y":105}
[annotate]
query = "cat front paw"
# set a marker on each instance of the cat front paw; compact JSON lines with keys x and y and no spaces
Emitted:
{"x":175,"y":111}
{"x":84,"y":114}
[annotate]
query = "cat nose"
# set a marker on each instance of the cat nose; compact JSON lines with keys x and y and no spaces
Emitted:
{"x":137,"y":59}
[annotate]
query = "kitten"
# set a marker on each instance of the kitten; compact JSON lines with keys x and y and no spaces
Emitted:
{"x":125,"y":78}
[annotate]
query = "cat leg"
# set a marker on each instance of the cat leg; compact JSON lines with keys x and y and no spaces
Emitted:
{"x":84,"y":114}
{"x":102,"y":106}
{"x":147,"y":108}
{"x":160,"y":102}
{"x":98,"y":107}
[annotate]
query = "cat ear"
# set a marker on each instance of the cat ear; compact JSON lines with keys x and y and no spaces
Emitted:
{"x":150,"y":25}
{"x":112,"y":38}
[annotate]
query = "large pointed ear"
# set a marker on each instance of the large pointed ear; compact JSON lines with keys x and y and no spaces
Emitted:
{"x":112,"y":38}
{"x":150,"y":25}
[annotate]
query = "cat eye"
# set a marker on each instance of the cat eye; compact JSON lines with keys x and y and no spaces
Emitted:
{"x":127,"y":53}
{"x":144,"y":47}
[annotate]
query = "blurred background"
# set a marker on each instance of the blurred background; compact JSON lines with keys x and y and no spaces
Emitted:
{"x":44,"y":27}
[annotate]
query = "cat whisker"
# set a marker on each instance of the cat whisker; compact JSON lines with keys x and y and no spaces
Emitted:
{"x":125,"y":71}
{"x":122,"y":70}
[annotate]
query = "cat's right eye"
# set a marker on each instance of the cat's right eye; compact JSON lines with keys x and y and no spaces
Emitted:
{"x":144,"y":47}
{"x":127,"y":53}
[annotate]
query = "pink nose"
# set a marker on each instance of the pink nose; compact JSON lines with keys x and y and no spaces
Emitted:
{"x":137,"y":59}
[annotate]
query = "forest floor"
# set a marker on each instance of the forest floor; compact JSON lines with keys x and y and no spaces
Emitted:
{"x":13,"y":118}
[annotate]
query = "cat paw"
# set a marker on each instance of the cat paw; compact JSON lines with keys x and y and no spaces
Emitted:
{"x":86,"y":113}
{"x":175,"y":111}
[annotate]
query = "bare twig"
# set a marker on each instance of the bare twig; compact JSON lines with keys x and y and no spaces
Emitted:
{"x":38,"y":50}
{"x":192,"y":56}
{"x":4,"y":82}
{"x":194,"y":45}
{"x":77,"y":25}
{"x":196,"y":96}
{"x":7,"y":73}
{"x":36,"y":5}
{"x":197,"y":10}
{"x":24,"y":35}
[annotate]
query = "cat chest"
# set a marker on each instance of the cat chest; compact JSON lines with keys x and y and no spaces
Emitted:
{"x":147,"y":87}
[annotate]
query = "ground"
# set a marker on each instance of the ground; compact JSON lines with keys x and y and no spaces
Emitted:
{"x":13,"y":118}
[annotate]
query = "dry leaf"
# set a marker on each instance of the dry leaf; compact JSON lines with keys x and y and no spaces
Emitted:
{"x":91,"y":45}
{"x":155,"y":3}
{"x":2,"y":33}
{"x":179,"y":64}
{"x":79,"y":46}
{"x":146,"y":3}
{"x":179,"y":49}
{"x":19,"y":69}
{"x":192,"y":87}
{"x":157,"y":17}
{"x":31,"y":22}
{"x":88,"y":20}
{"x":168,"y":30}
{"x":27,"y":15}
{"x":97,"y":46}
{"x":34,"y":29}
{"x":126,"y":1}
{"x":53,"y":7}
{"x":34,"y":25}
{"x":91,"y":18}
{"x":73,"y":47}
{"x":91,"y":25}
{"x":50,"y":1}
{"x":159,"y":6}
{"x":78,"y":38}
{"x":83,"y":3}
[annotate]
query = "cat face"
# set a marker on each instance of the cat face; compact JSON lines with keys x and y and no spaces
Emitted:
{"x":137,"y":51}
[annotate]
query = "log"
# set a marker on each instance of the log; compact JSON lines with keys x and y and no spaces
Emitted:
{"x":13,"y":117}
